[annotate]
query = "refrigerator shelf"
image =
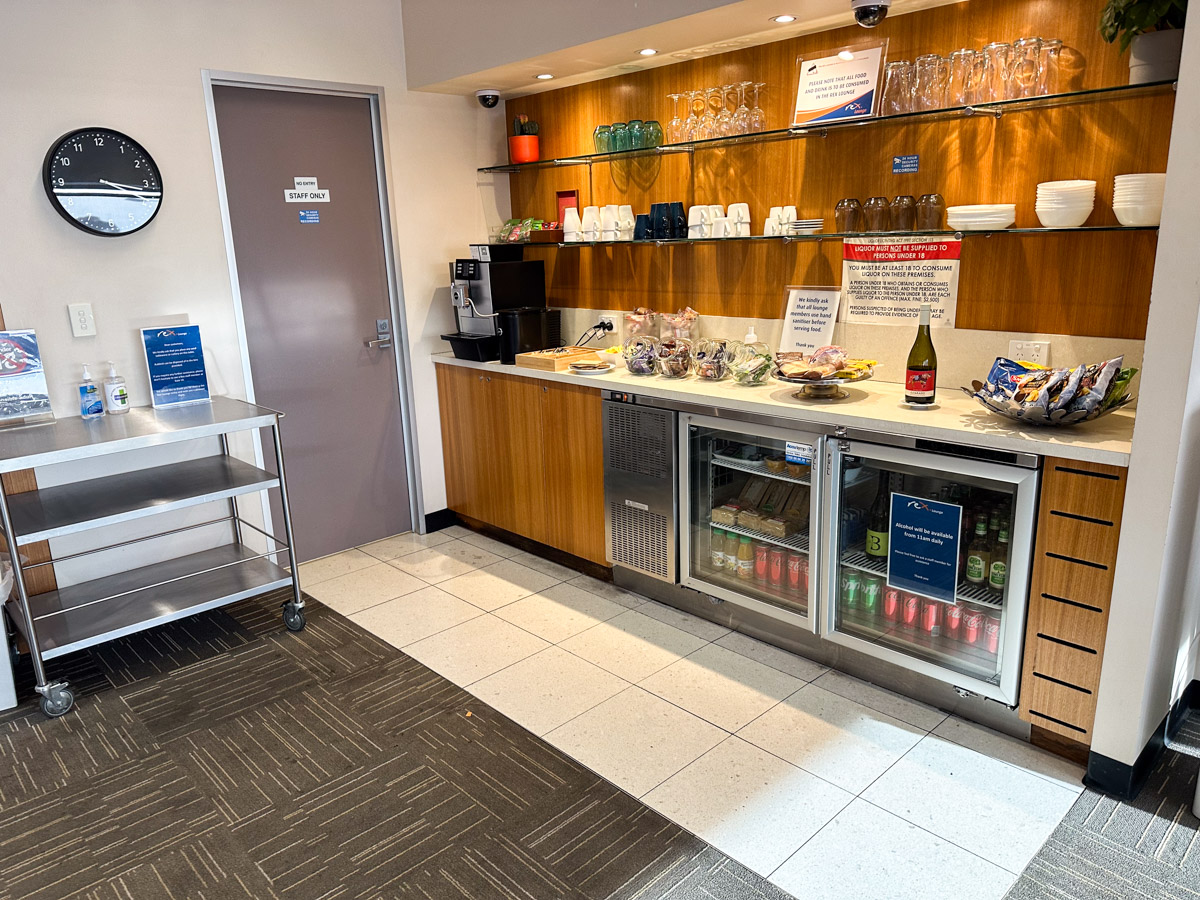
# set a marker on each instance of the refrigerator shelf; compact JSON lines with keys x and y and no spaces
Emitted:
{"x":958,"y":655}
{"x":976,"y":594}
{"x":798,"y":542}
{"x":756,"y":468}
{"x":752,"y":588}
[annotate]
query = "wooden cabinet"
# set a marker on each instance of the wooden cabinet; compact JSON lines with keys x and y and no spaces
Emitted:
{"x":1079,"y":522}
{"x":525,"y":456}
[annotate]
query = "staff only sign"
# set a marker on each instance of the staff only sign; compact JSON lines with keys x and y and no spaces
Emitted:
{"x":885,"y":280}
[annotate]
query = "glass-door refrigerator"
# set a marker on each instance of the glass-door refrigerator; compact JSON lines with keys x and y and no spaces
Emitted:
{"x":750,"y":532}
{"x":927,"y":562}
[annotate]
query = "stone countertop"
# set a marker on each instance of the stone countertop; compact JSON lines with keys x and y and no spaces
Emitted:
{"x":872,"y":406}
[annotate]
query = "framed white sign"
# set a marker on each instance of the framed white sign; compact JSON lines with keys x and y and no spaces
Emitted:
{"x":839,"y":84}
{"x":885,"y":280}
{"x":809,"y":315}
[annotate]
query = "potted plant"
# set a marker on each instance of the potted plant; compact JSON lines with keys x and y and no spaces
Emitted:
{"x":1152,"y":30}
{"x":523,"y":145}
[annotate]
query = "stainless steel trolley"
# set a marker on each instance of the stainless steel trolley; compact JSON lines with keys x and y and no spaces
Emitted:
{"x":92,"y":612}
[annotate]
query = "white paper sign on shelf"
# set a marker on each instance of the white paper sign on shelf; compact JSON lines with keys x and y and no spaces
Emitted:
{"x":885,"y":280}
{"x":808,"y":318}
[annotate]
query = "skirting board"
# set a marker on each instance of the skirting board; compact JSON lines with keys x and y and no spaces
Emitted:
{"x":436,"y":521}
{"x":1126,"y":781}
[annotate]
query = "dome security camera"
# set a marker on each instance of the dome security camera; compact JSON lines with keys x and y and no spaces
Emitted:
{"x":869,"y":13}
{"x":488,"y":98}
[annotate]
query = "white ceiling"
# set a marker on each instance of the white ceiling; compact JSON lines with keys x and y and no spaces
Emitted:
{"x":585,"y":41}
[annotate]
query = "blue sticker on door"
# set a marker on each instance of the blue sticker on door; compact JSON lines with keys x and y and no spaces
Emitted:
{"x":923,"y":547}
{"x":310,"y":217}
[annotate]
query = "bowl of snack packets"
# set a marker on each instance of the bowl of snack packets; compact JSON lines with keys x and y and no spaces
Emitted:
{"x":1034,"y":395}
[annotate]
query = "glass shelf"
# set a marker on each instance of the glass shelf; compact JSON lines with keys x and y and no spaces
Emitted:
{"x":994,"y":110}
{"x":834,"y":236}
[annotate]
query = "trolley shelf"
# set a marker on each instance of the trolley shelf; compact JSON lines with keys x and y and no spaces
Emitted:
{"x":70,"y":439}
{"x":125,"y":613}
{"x":57,"y":511}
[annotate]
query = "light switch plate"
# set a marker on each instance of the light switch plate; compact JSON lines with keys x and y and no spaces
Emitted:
{"x":83,"y":323}
{"x":1030,"y":351}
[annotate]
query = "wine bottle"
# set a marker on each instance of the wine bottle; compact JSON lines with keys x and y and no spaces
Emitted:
{"x":920,"y":377}
{"x":877,"y":526}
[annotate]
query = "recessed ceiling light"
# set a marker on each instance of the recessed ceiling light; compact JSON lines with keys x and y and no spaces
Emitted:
{"x":783,"y":20}
{"x":845,"y":54}
{"x":545,"y":76}
{"x":648,"y":51}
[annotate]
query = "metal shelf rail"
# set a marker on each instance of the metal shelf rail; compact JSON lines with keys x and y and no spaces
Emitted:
{"x":103,"y":609}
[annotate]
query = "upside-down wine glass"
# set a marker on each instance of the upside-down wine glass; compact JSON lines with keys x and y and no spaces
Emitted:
{"x":725,"y":116}
{"x":708,"y":121}
{"x":741,"y":118}
{"x":758,"y":118}
{"x":675,"y":126}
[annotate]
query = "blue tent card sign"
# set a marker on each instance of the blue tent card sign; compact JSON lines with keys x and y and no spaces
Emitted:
{"x":175,"y":364}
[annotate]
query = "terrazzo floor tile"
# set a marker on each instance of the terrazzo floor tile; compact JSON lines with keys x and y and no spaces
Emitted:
{"x":366,"y":587}
{"x":559,"y":612}
{"x":545,"y":566}
{"x":445,"y":561}
{"x":684,"y":621}
{"x":877,"y":698}
{"x":748,"y":803}
{"x":1021,"y":754}
{"x":475,"y":649}
{"x":318,"y":570}
{"x":547,"y":689}
{"x":491,"y":545}
{"x":794,"y":665}
{"x":497,"y":584}
{"x":403,"y":544}
{"x":415,"y":616}
{"x":633,"y":646}
{"x":609,"y":591}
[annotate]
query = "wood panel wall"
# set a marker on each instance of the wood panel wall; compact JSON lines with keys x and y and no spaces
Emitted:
{"x":1086,"y":284}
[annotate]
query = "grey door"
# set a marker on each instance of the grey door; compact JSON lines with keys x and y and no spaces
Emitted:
{"x":313,"y":280}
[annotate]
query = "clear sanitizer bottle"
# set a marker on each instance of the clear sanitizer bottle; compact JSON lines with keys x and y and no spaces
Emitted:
{"x":90,"y":404}
{"x":116,"y":398}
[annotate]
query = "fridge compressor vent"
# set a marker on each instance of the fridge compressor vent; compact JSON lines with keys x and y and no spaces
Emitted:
{"x":640,"y":539}
{"x":638,"y":440}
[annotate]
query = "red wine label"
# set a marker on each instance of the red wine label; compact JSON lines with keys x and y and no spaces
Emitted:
{"x":919,"y":384}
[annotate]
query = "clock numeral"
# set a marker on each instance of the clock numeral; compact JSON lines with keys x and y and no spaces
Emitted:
{"x":61,"y":182}
{"x":145,"y":183}
{"x":78,"y":146}
{"x":122,"y":148}
{"x":137,"y":163}
{"x":112,"y":224}
{"x":99,"y":142}
{"x":66,"y":161}
{"x":132,"y":218}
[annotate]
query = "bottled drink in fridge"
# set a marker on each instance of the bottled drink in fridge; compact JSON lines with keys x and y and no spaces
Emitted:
{"x":998,"y":569}
{"x":718,"y":548}
{"x":979,"y":554}
{"x":761,"y":564}
{"x":920,"y":377}
{"x":877,"y":523}
{"x":745,"y":558}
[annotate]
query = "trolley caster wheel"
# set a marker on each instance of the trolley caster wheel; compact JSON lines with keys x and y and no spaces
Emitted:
{"x":58,"y":703}
{"x":293,"y":617}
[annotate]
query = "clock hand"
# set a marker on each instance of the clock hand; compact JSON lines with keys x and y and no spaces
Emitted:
{"x":133,"y":188}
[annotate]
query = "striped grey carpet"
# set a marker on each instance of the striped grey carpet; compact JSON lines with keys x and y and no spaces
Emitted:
{"x":223,"y":757}
{"x":1108,"y":850}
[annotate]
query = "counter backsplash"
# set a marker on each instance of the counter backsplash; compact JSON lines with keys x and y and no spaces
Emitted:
{"x":963,"y":354}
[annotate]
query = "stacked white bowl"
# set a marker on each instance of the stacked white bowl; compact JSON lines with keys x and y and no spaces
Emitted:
{"x":981,"y":217}
{"x":1065,"y":204}
{"x":1138,"y":199}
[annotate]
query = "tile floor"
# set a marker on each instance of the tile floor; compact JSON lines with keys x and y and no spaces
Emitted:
{"x":829,"y":786}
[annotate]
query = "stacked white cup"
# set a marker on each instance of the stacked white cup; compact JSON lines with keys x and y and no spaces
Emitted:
{"x":1138,"y":199}
{"x":1065,"y":204}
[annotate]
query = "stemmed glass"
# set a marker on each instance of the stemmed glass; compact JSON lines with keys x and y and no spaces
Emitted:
{"x":741,"y":118}
{"x":691,"y":125}
{"x":675,"y":126}
{"x":707,"y":128}
{"x":758,"y":118}
{"x":725,"y":116}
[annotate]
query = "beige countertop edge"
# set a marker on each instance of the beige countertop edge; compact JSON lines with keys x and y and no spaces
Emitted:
{"x":872,"y":406}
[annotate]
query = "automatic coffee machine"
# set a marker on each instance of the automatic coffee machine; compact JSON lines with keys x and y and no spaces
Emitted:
{"x":500,"y":308}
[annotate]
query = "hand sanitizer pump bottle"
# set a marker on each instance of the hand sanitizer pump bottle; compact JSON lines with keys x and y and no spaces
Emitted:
{"x":90,"y":404}
{"x":116,"y":398}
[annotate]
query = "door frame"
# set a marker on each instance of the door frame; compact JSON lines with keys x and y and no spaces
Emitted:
{"x":400,"y":333}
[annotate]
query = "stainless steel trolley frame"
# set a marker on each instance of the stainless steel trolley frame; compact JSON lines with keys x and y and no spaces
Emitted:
{"x":92,"y":612}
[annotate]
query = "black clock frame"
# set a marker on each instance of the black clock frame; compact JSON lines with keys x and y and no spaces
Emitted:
{"x":48,"y":184}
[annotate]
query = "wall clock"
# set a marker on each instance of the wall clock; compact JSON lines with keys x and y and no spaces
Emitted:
{"x":102,"y":182}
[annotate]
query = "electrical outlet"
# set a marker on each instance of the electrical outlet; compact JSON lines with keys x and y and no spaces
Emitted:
{"x":83,"y":323}
{"x":610,"y":321}
{"x":1030,"y":351}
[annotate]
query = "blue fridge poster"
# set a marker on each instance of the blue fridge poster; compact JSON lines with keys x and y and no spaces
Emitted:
{"x":175,"y":363}
{"x":923,"y":547}
{"x":23,"y":392}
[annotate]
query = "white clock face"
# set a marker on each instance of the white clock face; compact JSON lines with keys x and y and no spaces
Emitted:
{"x":102,"y":182}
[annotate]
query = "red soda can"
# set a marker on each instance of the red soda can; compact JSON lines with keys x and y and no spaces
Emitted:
{"x":775,"y":567}
{"x":910,"y":611}
{"x":952,"y":626}
{"x":803,"y":576}
{"x":760,"y":563}
{"x":991,"y":633}
{"x":931,"y":617}
{"x":972,"y":624}
{"x":892,"y":602}
{"x":794,"y":562}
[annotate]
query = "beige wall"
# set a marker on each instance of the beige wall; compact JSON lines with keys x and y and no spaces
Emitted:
{"x":135,"y":65}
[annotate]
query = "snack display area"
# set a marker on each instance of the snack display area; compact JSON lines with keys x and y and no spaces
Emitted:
{"x":872,"y":405}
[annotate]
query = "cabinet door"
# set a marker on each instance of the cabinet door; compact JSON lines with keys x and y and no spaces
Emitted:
{"x":573,"y":439}
{"x":469,"y":460}
{"x":517,"y":492}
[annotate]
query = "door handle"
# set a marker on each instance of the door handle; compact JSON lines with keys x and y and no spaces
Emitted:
{"x":381,"y":343}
